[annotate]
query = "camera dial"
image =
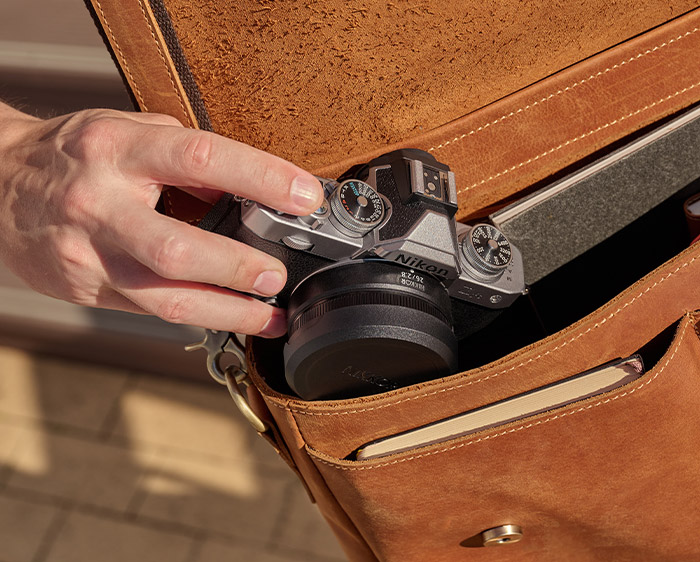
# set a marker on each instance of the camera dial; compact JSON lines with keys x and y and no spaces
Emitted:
{"x":357,"y":207}
{"x":487,"y":250}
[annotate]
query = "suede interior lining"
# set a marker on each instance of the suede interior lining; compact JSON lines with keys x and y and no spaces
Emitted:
{"x":316,"y":82}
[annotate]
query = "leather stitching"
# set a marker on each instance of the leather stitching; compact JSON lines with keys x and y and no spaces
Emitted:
{"x":580,"y":137}
{"x":165,"y":62}
{"x":122,"y":58}
{"x":521,"y":427}
{"x":509,"y":370}
{"x":566,"y":89}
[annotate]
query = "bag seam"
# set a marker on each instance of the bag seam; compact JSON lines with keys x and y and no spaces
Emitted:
{"x":122,"y":58}
{"x":327,"y":493}
{"x":521,"y":427}
{"x":567,"y":89}
{"x":578,"y":138}
{"x":506,"y":371}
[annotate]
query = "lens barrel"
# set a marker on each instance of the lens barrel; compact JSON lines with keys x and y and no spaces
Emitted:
{"x":365,"y":327}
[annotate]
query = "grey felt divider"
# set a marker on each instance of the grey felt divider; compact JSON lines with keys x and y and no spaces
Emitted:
{"x":562,"y":221}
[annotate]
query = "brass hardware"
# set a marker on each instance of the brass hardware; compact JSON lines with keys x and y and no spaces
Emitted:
{"x":217,"y":344}
{"x":235,"y":378}
{"x":505,"y":534}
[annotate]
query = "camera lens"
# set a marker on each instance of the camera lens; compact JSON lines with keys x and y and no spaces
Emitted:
{"x":366,"y":327}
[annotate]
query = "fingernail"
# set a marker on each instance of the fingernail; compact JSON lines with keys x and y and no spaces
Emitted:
{"x":269,"y":283}
{"x":276,"y":326}
{"x":306,"y":193}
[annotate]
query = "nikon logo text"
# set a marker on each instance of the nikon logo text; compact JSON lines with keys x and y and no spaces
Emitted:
{"x":416,"y":263}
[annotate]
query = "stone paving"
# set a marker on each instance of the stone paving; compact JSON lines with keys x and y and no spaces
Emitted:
{"x":100,"y":464}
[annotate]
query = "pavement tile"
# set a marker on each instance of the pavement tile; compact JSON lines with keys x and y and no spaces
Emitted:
{"x":23,"y":526}
{"x":82,"y":471}
{"x":87,"y":538}
{"x":227,"y":497}
{"x":303,"y":528}
{"x":175,"y":457}
{"x":23,"y":450}
{"x":201,"y":418}
{"x":11,"y":435}
{"x":56,"y":391}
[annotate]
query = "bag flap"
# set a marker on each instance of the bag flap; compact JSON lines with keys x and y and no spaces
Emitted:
{"x":489,"y":90}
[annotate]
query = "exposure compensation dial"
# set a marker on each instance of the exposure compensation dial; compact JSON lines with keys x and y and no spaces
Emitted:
{"x":487,"y":250}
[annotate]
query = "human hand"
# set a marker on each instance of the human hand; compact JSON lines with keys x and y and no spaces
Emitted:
{"x":77,"y":218}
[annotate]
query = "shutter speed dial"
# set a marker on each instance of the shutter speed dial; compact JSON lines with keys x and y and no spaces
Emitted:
{"x":357,"y":207}
{"x":487,"y":250}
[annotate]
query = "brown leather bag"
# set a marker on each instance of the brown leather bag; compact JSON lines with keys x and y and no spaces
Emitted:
{"x":509,"y":95}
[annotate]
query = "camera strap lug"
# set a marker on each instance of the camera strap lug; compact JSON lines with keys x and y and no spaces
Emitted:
{"x":235,"y":376}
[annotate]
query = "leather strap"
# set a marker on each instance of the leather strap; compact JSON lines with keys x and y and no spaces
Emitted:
{"x":139,"y":47}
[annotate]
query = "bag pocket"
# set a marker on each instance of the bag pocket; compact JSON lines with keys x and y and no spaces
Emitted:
{"x":606,"y":478}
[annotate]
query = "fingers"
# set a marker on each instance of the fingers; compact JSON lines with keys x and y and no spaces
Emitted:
{"x":197,"y":304}
{"x":177,"y":251}
{"x":173,"y":270}
{"x":110,"y":299}
{"x":177,"y":156}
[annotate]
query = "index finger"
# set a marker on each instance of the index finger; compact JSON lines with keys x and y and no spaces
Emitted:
{"x":186,"y":157}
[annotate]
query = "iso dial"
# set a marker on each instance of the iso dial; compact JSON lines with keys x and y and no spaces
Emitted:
{"x":357,"y":207}
{"x":487,"y":250}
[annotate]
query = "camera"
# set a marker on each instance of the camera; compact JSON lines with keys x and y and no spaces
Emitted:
{"x":382,"y":280}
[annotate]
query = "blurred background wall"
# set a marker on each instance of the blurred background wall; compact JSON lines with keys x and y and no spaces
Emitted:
{"x":53,"y":61}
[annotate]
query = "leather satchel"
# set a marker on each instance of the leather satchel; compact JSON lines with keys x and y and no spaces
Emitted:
{"x":512,"y":96}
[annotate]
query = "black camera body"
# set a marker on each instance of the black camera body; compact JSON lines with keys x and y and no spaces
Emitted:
{"x":382,"y":281}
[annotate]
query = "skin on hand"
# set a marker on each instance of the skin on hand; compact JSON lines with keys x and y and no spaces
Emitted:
{"x":77,"y":218}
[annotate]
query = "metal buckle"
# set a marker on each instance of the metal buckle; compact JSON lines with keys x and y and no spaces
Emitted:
{"x":217,"y":344}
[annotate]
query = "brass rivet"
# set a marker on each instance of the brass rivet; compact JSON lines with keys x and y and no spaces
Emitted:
{"x":505,"y":534}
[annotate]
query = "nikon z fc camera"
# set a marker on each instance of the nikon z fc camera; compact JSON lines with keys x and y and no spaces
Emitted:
{"x":382,"y":281}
